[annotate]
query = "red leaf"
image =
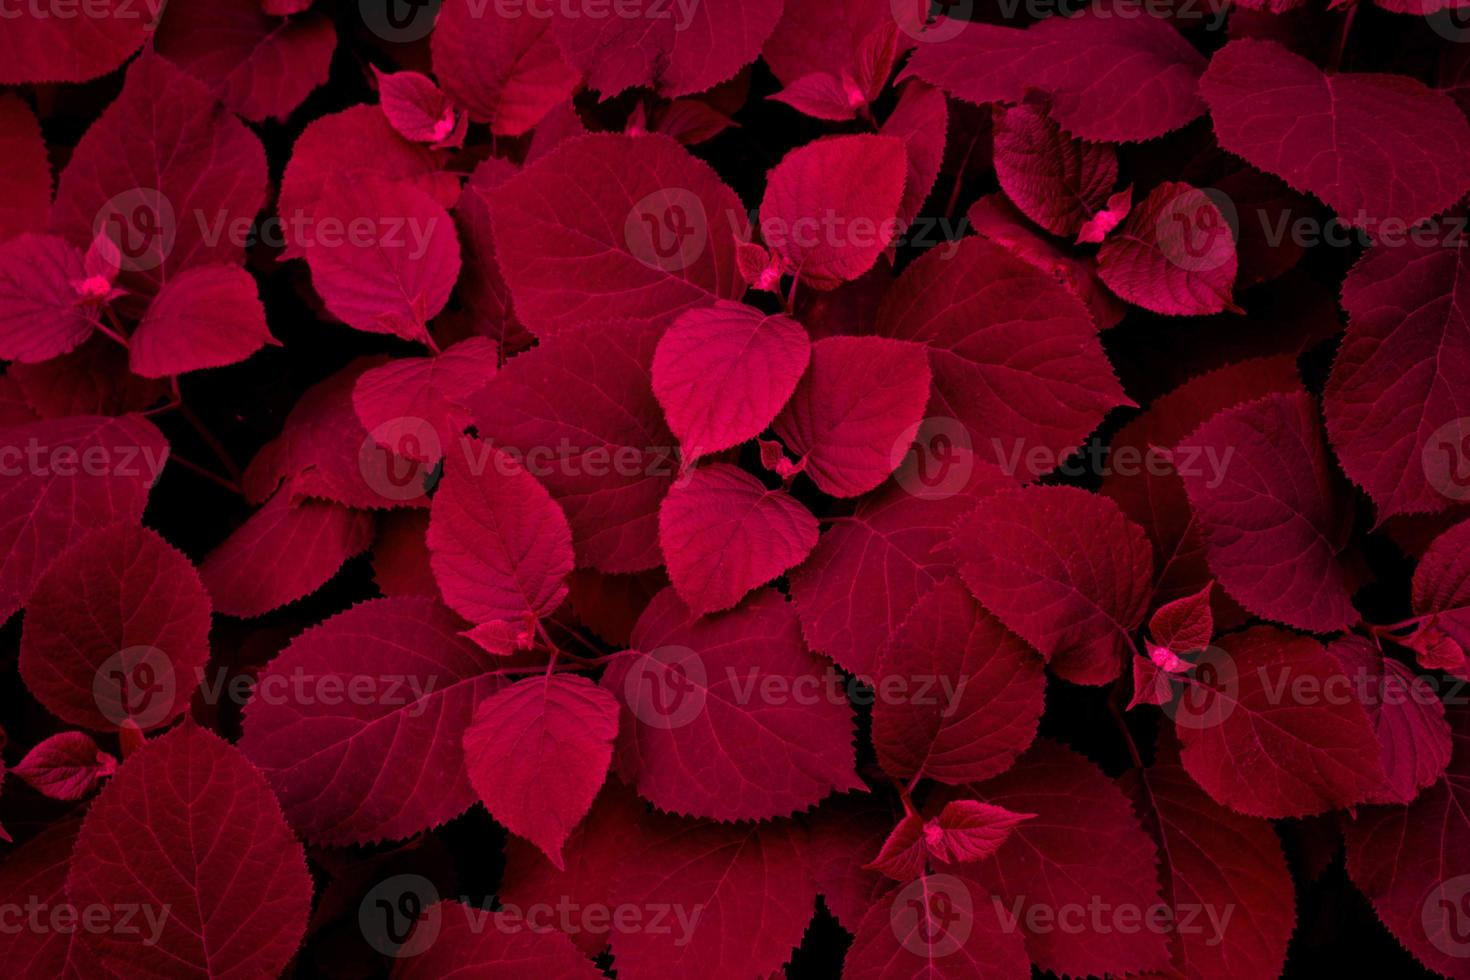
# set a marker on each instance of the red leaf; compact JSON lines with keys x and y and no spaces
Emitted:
{"x":347,"y":147}
{"x":997,"y":219}
{"x":384,"y":256}
{"x":417,"y":109}
{"x":67,"y":767}
{"x":921,"y":120}
{"x":831,"y":207}
{"x":175,"y":826}
{"x":1263,"y":734}
{"x":174,"y":200}
{"x":968,"y":830}
{"x":25,"y":171}
{"x":1065,"y":570}
{"x":47,"y":47}
{"x":841,"y":832}
{"x":1059,"y":183}
{"x":507,"y":70}
{"x":538,"y":752}
{"x":324,"y":452}
{"x":1174,"y":255}
{"x":42,"y":313}
{"x":116,"y":630}
{"x":611,"y":226}
{"x":1101,"y":224}
{"x":905,"y":853}
{"x":722,"y":373}
{"x":1114,"y":78}
{"x":1082,"y":846}
{"x":810,"y":39}
{"x":1441,"y":593}
{"x":92,"y":380}
{"x":723,"y":533}
{"x":38,"y":868}
{"x":1145,"y":480}
{"x":1392,"y":406}
{"x":57,"y":499}
{"x":672,"y":49}
{"x":719,"y":719}
{"x":1271,"y":521}
{"x":750,"y":886}
{"x":869,"y":571}
{"x":1015,"y":356}
{"x":1224,"y":871}
{"x":1413,"y":862}
{"x":358,"y":723}
{"x":957,"y":696}
{"x":482,"y":288}
{"x":1185,"y":625}
{"x":284,"y":551}
{"x":500,"y":546}
{"x":453,"y":938}
{"x":209,"y":316}
{"x":1375,"y":148}
{"x":1407,"y":714}
{"x":258,"y":65}
{"x":848,"y":420}
{"x":416,"y":407}
{"x":580,"y":412}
